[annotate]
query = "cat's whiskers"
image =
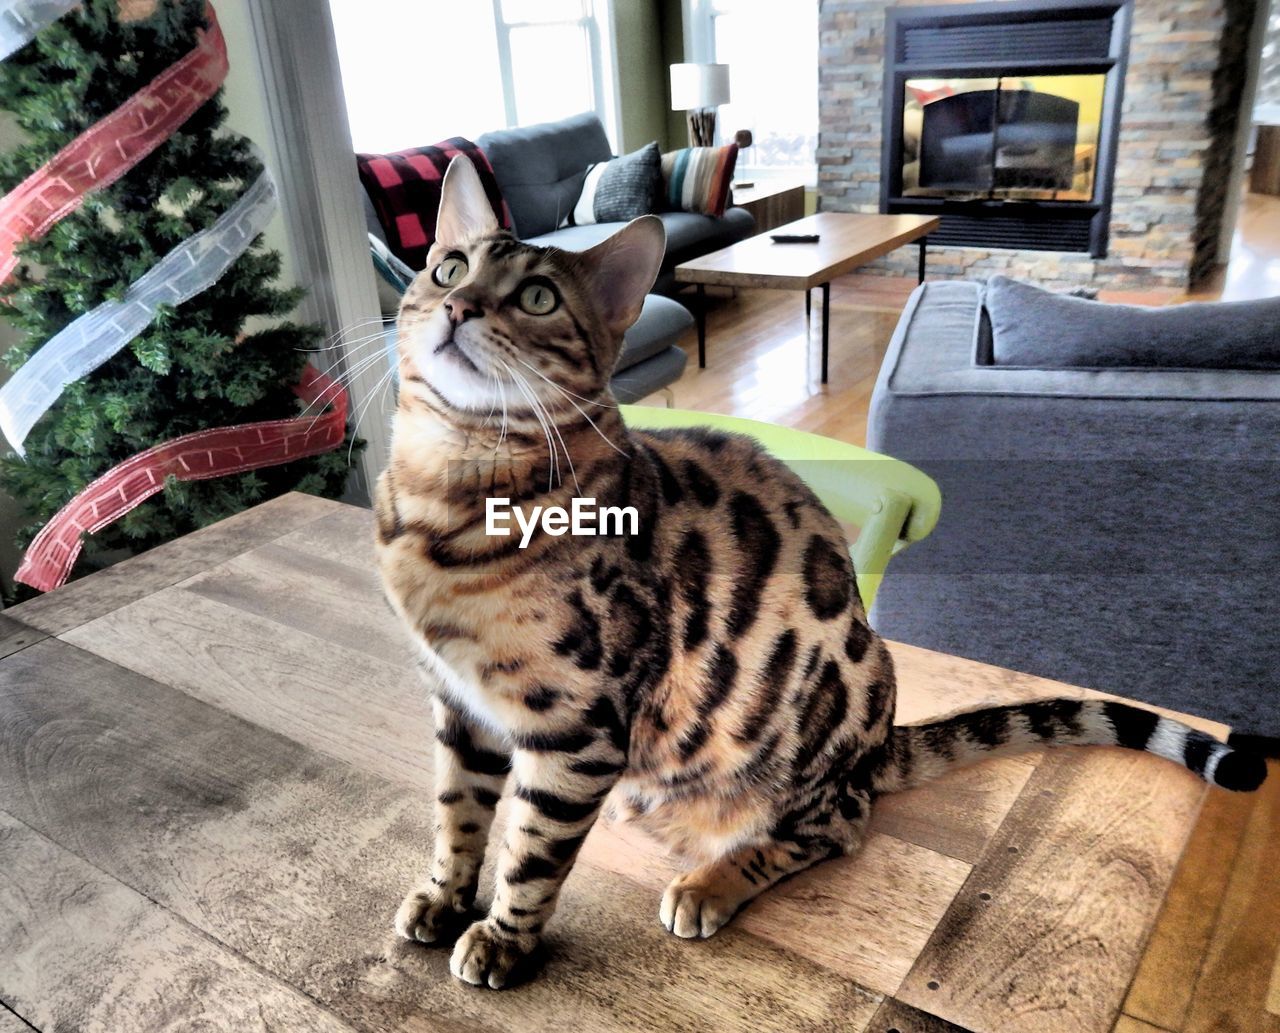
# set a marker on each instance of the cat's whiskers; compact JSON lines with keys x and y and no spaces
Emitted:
{"x":568,"y":399}
{"x":523,"y":387}
{"x":364,"y":408}
{"x":342,"y":380}
{"x":564,"y":391}
{"x":551,"y":421}
{"x":333,"y":338}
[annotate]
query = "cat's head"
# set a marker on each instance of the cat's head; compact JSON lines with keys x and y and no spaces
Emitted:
{"x":491,"y":319}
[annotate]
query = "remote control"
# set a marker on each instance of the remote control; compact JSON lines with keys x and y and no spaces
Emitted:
{"x":795,"y":238}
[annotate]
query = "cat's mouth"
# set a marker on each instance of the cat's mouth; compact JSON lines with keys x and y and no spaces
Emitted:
{"x":451,"y":346}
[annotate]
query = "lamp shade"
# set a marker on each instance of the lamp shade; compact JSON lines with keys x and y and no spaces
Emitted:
{"x":699,"y":86}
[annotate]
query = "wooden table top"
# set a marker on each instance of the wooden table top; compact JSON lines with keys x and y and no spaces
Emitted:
{"x":848,"y":240}
{"x":215,"y":787}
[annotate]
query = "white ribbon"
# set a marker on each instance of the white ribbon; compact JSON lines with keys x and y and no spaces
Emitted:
{"x":83,"y":345}
{"x":20,"y":20}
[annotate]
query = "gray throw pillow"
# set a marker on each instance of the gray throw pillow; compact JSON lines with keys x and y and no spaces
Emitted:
{"x":620,"y":189}
{"x":1034,"y":327}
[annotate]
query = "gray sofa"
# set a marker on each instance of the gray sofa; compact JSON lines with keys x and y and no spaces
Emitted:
{"x":540,"y":170}
{"x":1117,"y":528}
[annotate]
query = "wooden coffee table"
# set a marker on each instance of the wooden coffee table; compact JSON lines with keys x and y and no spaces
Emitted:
{"x":846,"y":241}
{"x":215,"y":786}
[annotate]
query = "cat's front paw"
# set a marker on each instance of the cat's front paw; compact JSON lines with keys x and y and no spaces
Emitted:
{"x":433,"y":915}
{"x":486,"y":956}
{"x":694,"y":911}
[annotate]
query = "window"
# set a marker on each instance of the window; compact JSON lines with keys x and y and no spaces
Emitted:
{"x":772,"y":53}
{"x":551,"y":57}
{"x":418,"y":71}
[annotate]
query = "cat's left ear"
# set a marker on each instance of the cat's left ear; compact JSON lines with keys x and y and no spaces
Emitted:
{"x":622,"y":269}
{"x":465,"y":212}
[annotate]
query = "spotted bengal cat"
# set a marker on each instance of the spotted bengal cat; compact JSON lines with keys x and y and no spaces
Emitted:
{"x":713,"y":675}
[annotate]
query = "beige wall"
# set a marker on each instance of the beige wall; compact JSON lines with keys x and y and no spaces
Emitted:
{"x":641,"y":71}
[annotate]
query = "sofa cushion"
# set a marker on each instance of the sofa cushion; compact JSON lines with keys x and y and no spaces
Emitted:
{"x":696,"y":179}
{"x":619,"y":190}
{"x":404,"y":190}
{"x":661,"y":323}
{"x":690,"y":235}
{"x":540,"y":168}
{"x":644,"y":378}
{"x":1040,"y":329}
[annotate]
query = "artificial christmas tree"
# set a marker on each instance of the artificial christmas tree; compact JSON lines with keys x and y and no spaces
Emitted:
{"x":195,"y":366}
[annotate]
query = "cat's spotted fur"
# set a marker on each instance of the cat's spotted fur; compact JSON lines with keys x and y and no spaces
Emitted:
{"x":713,"y":676}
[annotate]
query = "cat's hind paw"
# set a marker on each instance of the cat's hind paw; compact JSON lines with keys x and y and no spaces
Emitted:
{"x":695,"y":912}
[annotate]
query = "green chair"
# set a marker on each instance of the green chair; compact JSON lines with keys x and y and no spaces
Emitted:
{"x":891,"y":503}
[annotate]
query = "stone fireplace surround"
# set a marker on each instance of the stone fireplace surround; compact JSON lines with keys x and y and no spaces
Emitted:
{"x":1181,"y":100}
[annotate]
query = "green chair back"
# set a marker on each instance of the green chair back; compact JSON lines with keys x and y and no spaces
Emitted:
{"x":891,"y":503}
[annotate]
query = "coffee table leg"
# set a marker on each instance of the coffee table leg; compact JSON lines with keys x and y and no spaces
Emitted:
{"x":702,"y":326}
{"x":826,"y":325}
{"x":923,"y":243}
{"x":808,"y":309}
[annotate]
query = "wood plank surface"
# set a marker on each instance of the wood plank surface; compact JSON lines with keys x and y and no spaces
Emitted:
{"x":957,"y":814}
{"x":10,"y":1023}
{"x":214,"y":646}
{"x":348,"y":704}
{"x":896,"y":1017}
{"x":167,"y":564}
{"x":1231,"y":995}
{"x":81,"y":951}
{"x":932,"y":684}
{"x":846,"y":241}
{"x":1165,"y":982}
{"x":297,"y":862}
{"x":15,"y":635}
{"x":1128,"y":1024}
{"x":1047,"y":930}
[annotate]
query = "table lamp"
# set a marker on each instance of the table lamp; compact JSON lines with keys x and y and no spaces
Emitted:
{"x":697,"y":90}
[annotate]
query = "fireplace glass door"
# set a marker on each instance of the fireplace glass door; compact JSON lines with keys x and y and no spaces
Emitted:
{"x":1012,"y":137}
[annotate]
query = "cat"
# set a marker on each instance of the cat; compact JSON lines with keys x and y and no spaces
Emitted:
{"x":712,"y":675}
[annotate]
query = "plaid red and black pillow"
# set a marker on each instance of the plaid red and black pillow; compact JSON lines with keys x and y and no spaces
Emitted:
{"x":405,"y":190}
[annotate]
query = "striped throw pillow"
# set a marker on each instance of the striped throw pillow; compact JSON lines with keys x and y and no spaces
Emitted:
{"x":697,"y":179}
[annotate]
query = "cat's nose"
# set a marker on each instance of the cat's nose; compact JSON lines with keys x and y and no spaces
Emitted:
{"x":461,"y":308}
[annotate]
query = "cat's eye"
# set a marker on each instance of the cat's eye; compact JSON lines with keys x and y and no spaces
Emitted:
{"x":538,"y":299}
{"x":451,"y":272}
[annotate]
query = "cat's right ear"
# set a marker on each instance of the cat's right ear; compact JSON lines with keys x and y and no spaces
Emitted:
{"x":623,"y":268}
{"x":465,"y":212}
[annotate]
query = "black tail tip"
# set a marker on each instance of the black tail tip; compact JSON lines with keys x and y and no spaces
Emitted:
{"x":1240,"y":772}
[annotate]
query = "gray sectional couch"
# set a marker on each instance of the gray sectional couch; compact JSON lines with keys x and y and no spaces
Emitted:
{"x":540,"y":170}
{"x":1117,"y":528}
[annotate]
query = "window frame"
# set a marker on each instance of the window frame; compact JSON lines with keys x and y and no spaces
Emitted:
{"x":602,"y":65}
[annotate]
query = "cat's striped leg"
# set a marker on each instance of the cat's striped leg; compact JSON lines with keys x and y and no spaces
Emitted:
{"x":560,"y":784}
{"x":471,"y":768}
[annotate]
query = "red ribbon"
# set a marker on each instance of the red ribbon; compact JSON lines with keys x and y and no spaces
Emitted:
{"x":193,"y":457}
{"x":112,"y":146}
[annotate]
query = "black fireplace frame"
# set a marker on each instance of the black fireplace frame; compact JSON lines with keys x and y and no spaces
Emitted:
{"x":1000,"y":38}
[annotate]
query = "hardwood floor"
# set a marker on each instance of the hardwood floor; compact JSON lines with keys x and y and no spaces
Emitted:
{"x":1212,"y":965}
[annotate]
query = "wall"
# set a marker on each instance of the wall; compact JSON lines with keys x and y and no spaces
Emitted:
{"x":1186,"y":60}
{"x":638,"y":46}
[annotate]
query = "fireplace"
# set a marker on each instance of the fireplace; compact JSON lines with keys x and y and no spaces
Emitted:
{"x":1001,"y":118}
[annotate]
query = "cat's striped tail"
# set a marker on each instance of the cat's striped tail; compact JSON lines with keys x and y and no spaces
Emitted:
{"x":918,"y":753}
